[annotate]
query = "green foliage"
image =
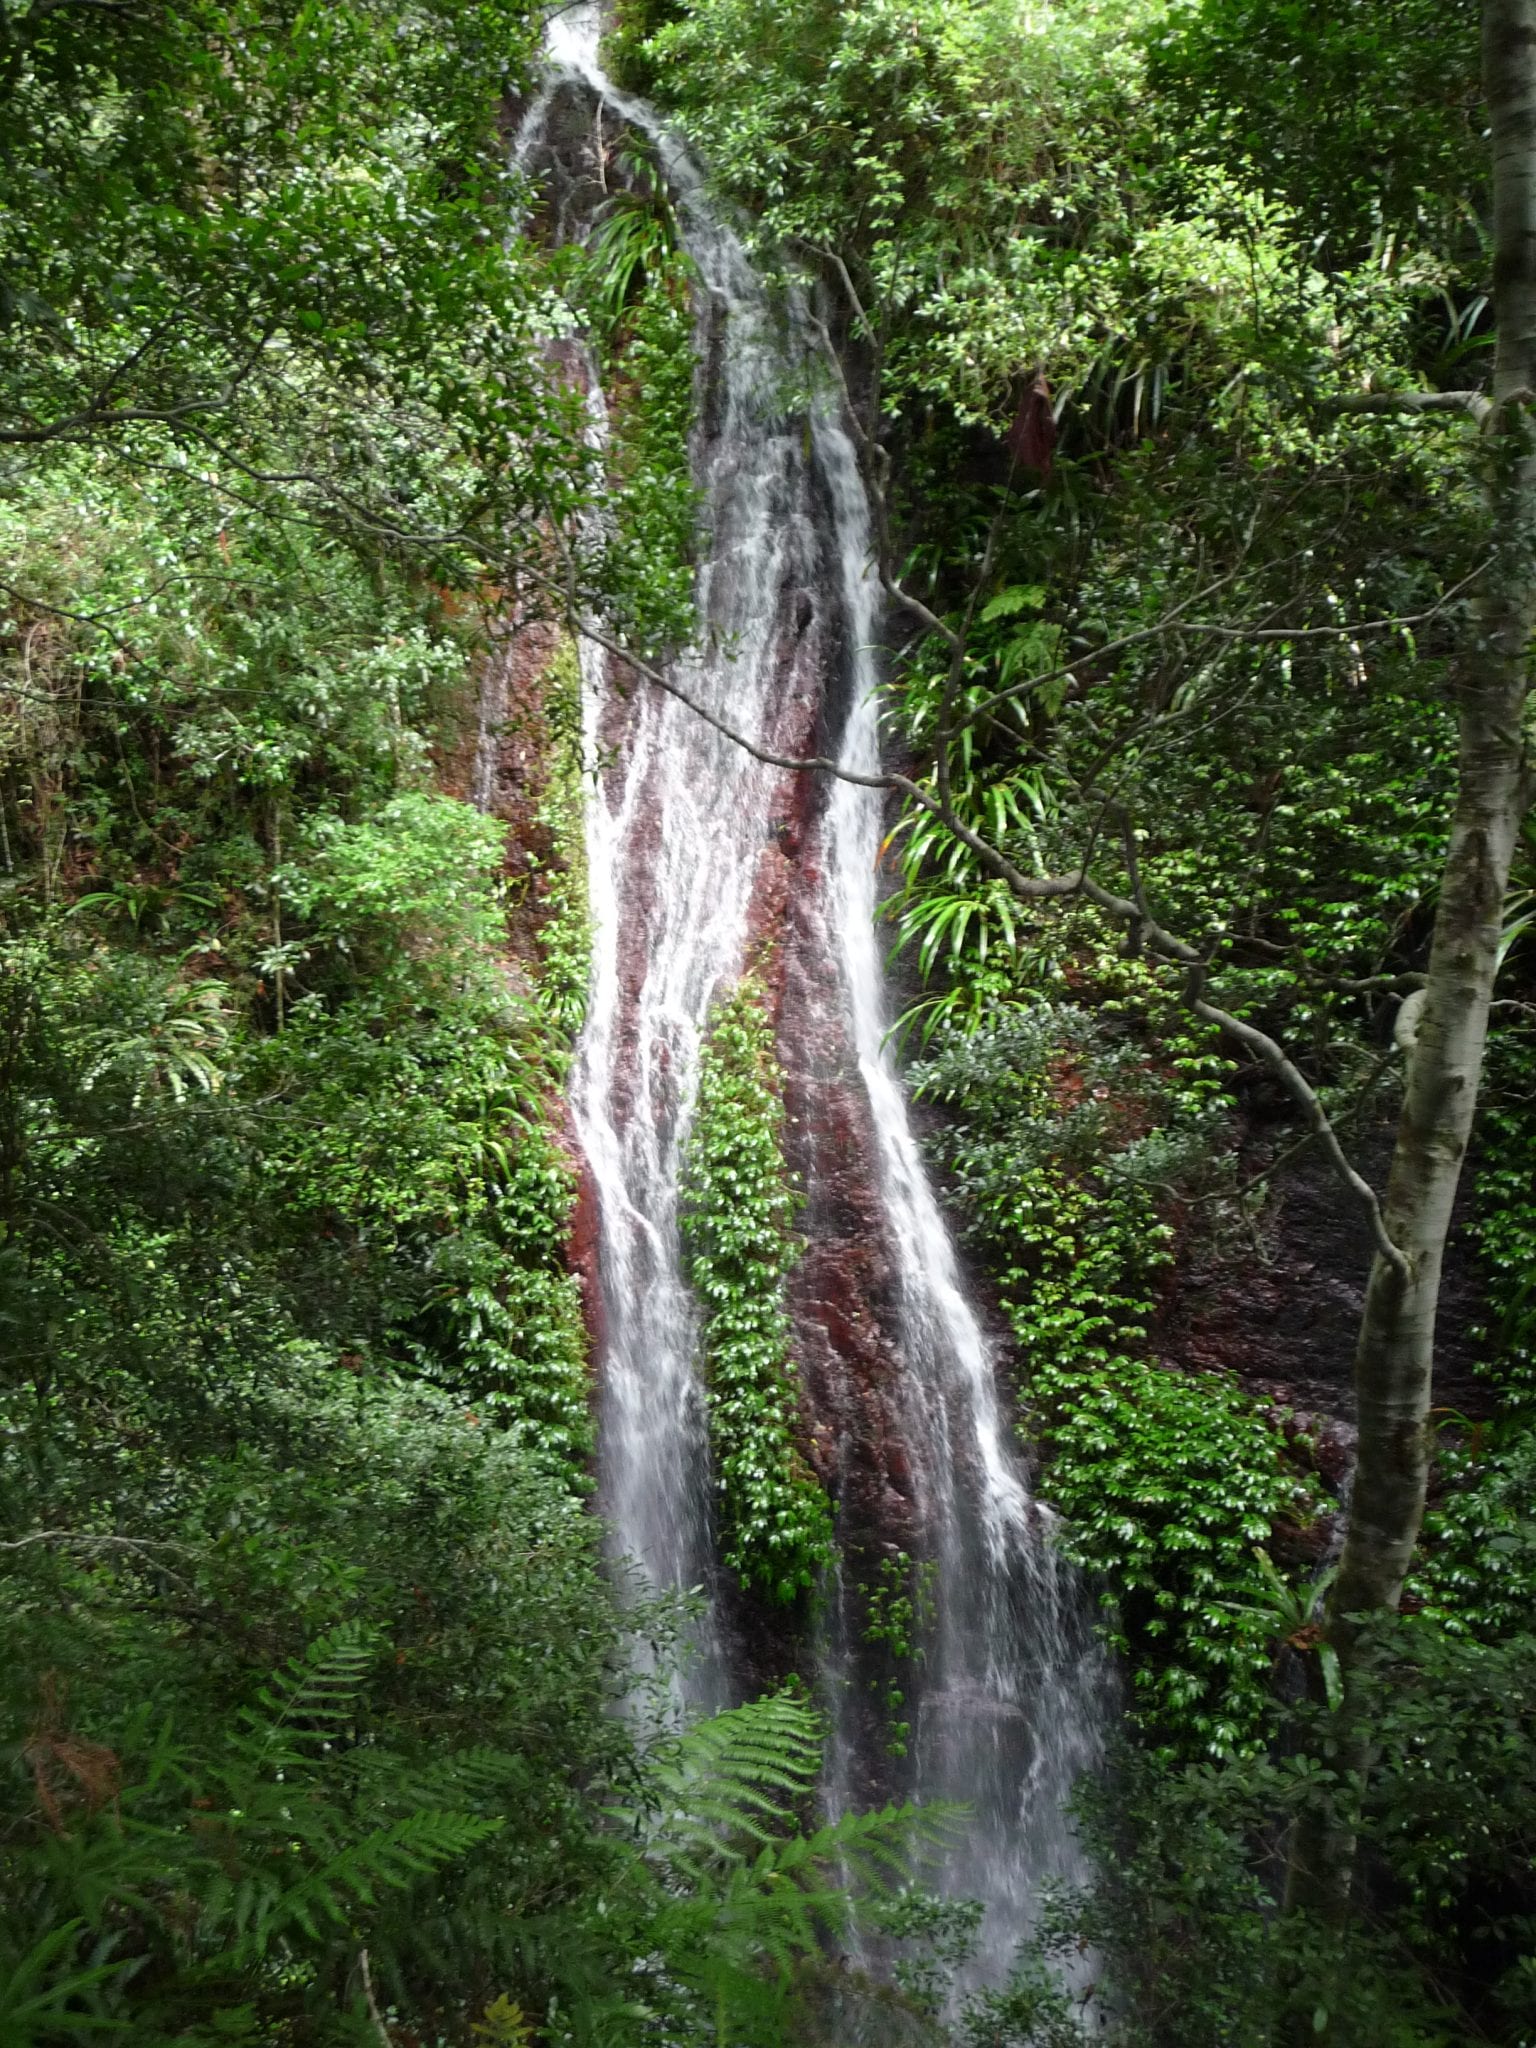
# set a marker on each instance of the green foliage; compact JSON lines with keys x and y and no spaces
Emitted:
{"x":298,"y":945}
{"x":738,"y":1206}
{"x":649,"y":558}
{"x":714,"y":1889}
{"x":1167,"y":1479}
{"x":260,"y":232}
{"x":224,"y":1840}
{"x":1368,"y":119}
{"x":1010,"y":198}
{"x":1477,"y":1575}
{"x":565,"y":928}
{"x":388,"y":893}
{"x":634,"y":22}
{"x":1182,"y":1911}
{"x":901,"y":1609}
{"x":261,"y":1883}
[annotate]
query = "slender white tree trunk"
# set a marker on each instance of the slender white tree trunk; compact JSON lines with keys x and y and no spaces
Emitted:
{"x":1395,"y":1355}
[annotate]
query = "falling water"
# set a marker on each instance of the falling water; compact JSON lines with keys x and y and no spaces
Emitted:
{"x":1008,"y":1713}
{"x":673,"y":839}
{"x":677,"y":825}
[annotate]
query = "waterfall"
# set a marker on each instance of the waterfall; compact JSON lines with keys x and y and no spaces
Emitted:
{"x":680,"y":824}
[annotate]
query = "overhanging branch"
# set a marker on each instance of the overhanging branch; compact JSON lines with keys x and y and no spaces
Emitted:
{"x":1053,"y":888}
{"x":1471,"y":404}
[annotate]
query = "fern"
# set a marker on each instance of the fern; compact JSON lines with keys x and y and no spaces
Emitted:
{"x":504,"y":2025}
{"x":219,"y":1878}
{"x":309,"y":1701}
{"x":262,"y":1910}
{"x":47,"y":1994}
{"x":732,"y":1777}
{"x":226,"y":1886}
{"x":718,"y":1903}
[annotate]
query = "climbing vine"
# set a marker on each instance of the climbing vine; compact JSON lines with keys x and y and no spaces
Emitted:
{"x":738,"y":1209}
{"x":901,"y":1604}
{"x":1169,"y":1480}
{"x":565,"y":935}
{"x":514,"y":1308}
{"x":649,"y":371}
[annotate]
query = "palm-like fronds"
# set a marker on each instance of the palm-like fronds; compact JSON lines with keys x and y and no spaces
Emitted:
{"x":280,"y":1851}
{"x":718,"y":1901}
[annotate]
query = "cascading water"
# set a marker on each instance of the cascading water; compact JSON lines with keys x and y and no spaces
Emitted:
{"x":1008,"y":1713}
{"x":678,"y":825}
{"x":673,"y":837}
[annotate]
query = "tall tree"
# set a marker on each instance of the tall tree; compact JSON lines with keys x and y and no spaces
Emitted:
{"x":1394,"y":1361}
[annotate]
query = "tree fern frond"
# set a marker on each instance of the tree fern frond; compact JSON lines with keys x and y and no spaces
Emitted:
{"x":466,"y":1778}
{"x":736,"y":1769}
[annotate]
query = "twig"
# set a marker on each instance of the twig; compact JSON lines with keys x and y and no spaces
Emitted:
{"x":373,"y":2005}
{"x":141,"y":1546}
{"x":93,"y":1542}
{"x":1313,"y":1113}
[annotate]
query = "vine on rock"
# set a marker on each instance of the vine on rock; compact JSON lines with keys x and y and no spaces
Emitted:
{"x":1169,"y":1480}
{"x":739,"y":1202}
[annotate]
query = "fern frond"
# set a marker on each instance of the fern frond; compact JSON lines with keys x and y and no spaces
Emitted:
{"x":46,"y":1993}
{"x":504,"y":2025}
{"x":310,"y":1699}
{"x":388,"y":1859}
{"x":730,"y":1775}
{"x":466,"y":1778}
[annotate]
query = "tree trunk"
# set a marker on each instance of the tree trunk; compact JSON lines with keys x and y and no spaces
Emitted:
{"x":1395,"y":1354}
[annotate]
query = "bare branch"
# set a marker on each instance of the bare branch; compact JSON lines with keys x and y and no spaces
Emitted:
{"x":70,"y":1536}
{"x":814,"y":764}
{"x":1302,"y":1093}
{"x":1347,"y":629}
{"x":1470,"y":403}
{"x":1176,"y":622}
{"x":98,"y":416}
{"x":372,"y":2003}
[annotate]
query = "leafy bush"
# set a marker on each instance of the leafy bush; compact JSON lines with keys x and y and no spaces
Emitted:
{"x":1182,"y":1912}
{"x":1477,"y":1574}
{"x":217,"y":1841}
{"x":284,"y":1875}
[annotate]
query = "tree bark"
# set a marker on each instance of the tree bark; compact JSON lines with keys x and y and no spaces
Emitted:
{"x":1395,"y":1354}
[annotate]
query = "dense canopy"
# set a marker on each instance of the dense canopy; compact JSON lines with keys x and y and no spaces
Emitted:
{"x":1138,"y":398}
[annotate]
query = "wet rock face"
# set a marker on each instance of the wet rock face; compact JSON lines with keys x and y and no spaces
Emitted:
{"x":1282,"y":1310}
{"x":842,"y":1292}
{"x":841,"y":1298}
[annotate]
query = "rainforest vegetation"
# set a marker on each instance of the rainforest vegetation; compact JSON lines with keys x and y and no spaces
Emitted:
{"x":1189,"y":349}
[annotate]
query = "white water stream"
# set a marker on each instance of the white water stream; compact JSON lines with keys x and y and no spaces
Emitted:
{"x":1007,"y":1708}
